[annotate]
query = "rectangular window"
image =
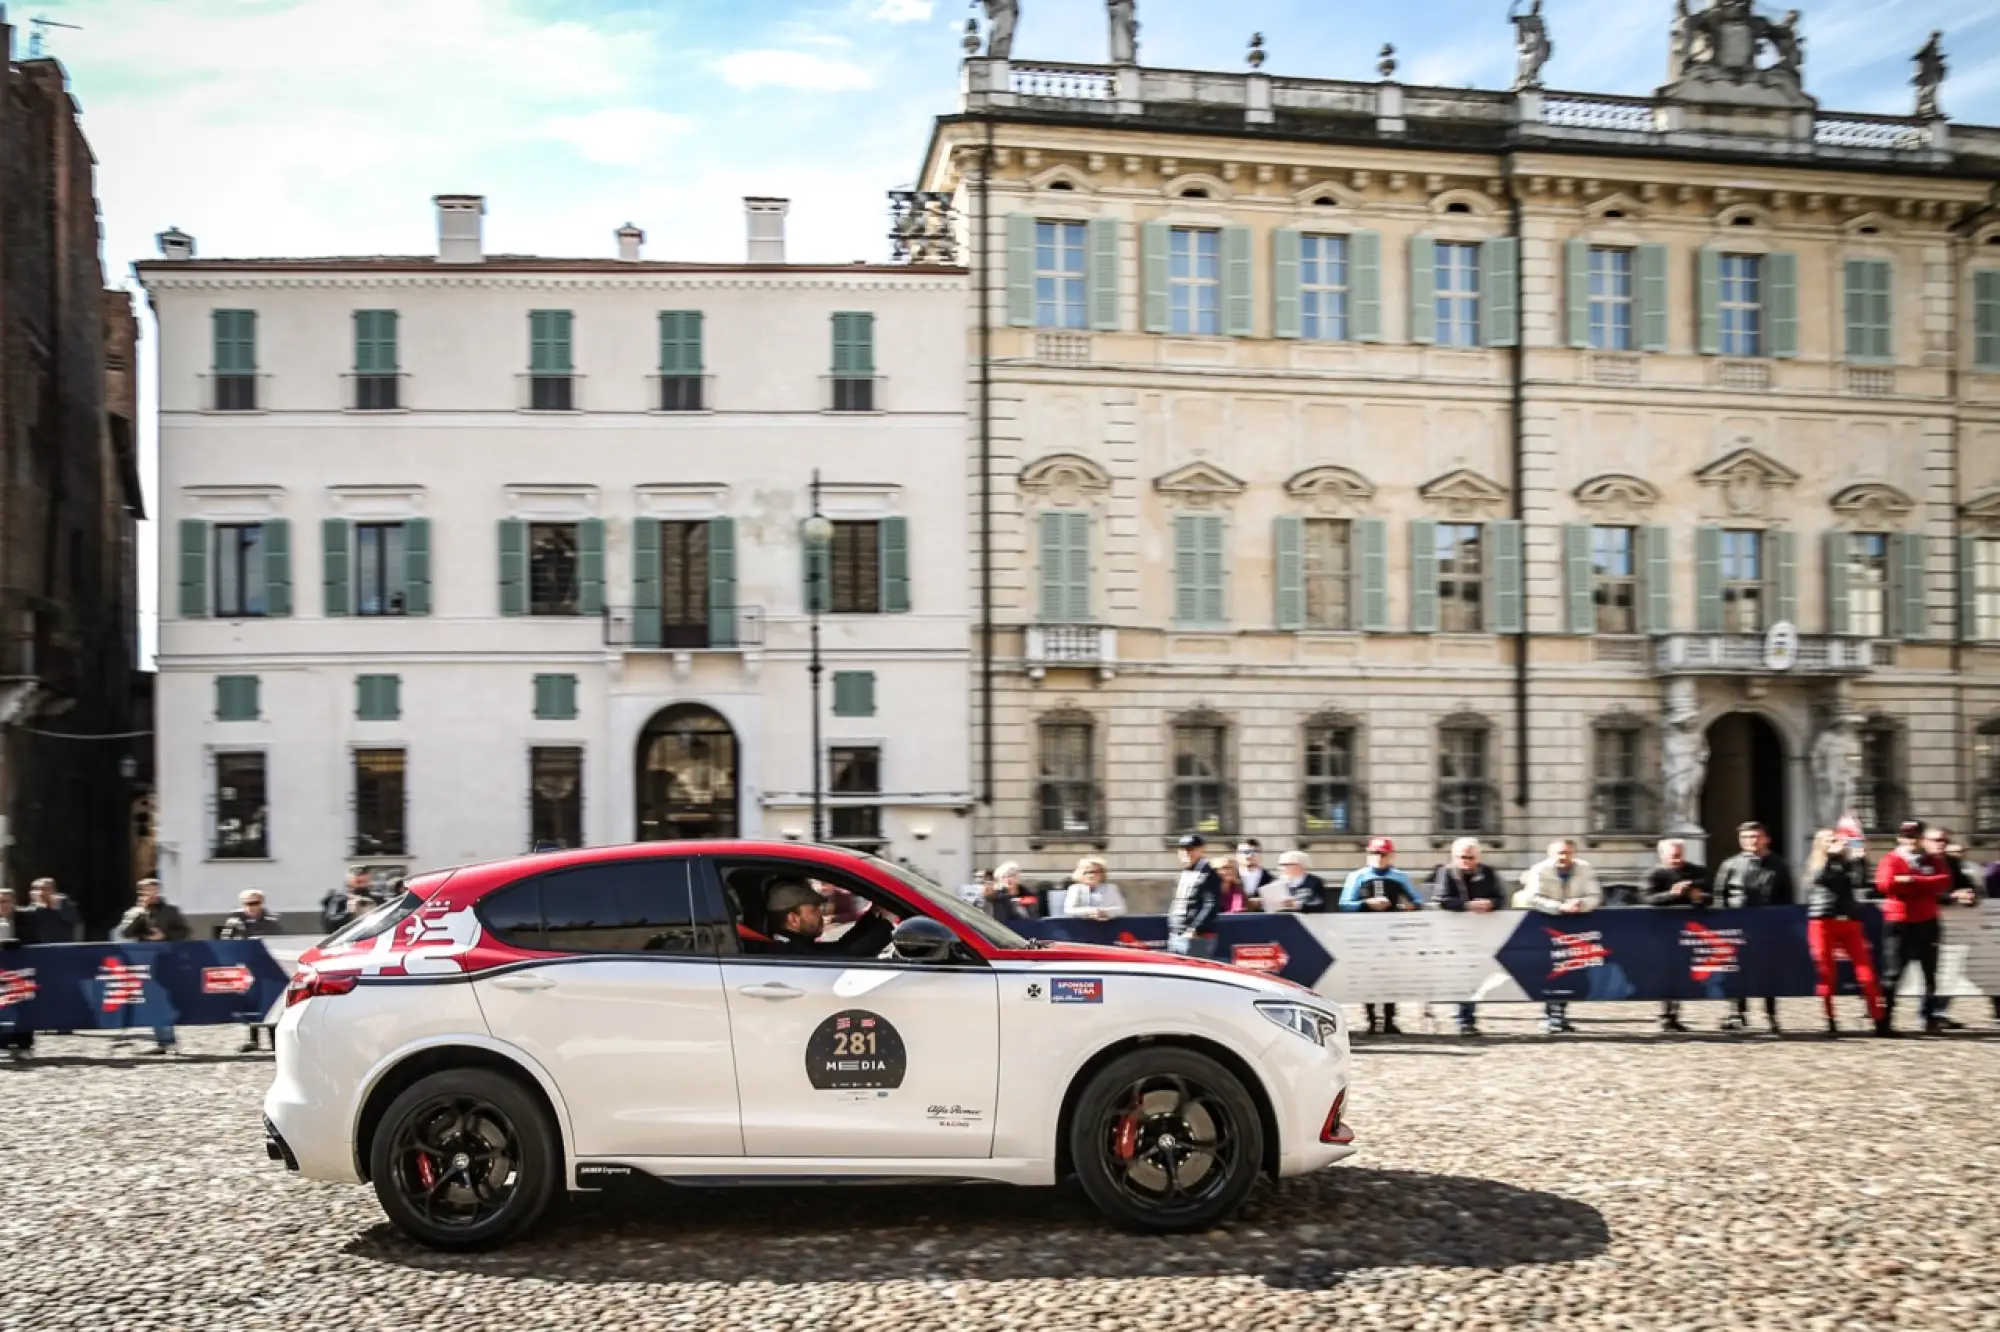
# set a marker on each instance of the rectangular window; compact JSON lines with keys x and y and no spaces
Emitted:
{"x":552,"y":569}
{"x":379,"y":569}
{"x":1620,"y":802}
{"x":1986,"y":777}
{"x":235,"y":360}
{"x":1615,"y":579}
{"x":1868,"y":585}
{"x":1742,"y":582}
{"x":1331,"y":798}
{"x":240,"y":811}
{"x":551,"y":372}
{"x":1201,"y":786}
{"x":1466,"y":806}
{"x":1986,"y":589}
{"x":555,"y":698}
{"x":854,"y":693}
{"x":236,"y":697}
{"x":1194,"y":280}
{"x":1879,"y":800}
{"x":1461,"y":564}
{"x":375,"y":377}
{"x":1060,"y":275}
{"x":1986,"y":319}
{"x":680,"y":361}
{"x":684,"y":584}
{"x":239,"y":570}
{"x":1198,"y":569}
{"x":854,"y":770}
{"x":1868,"y":333}
{"x":854,"y":362}
{"x":1329,"y":573}
{"x":1741,"y":304}
{"x":378,"y":803}
{"x":1610,"y":300}
{"x":1323,"y":288}
{"x":1457,"y":294}
{"x":378,"y":697}
{"x":555,"y":798}
{"x":1068,"y":779}
{"x":855,"y":568}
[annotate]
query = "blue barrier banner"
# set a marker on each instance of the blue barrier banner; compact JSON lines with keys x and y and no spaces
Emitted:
{"x":81,"y":987}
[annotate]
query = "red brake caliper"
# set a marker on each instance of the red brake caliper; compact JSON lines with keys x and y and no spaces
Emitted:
{"x":1125,"y":1141}
{"x":426,"y":1171}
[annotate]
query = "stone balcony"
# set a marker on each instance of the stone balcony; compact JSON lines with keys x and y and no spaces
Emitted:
{"x":1058,"y":646}
{"x":1819,"y":655}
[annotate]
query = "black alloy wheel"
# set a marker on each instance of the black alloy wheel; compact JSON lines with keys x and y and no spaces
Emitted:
{"x":464,"y":1159}
{"x":1165,"y":1140}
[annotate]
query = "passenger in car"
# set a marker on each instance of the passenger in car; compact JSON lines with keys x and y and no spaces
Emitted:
{"x":798,"y":915}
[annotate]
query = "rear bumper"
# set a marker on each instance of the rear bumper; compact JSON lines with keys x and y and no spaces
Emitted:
{"x":277,"y":1148}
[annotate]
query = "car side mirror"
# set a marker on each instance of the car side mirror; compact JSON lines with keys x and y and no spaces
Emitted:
{"x":922,"y":939}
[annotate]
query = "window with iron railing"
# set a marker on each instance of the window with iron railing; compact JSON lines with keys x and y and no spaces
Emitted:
{"x":1068,"y":778}
{"x":1467,"y":802}
{"x":1200,"y":778}
{"x":241,"y":812}
{"x":1331,"y":798}
{"x":1881,"y":799}
{"x":379,"y":827}
{"x":1622,"y":800}
{"x":555,"y":796}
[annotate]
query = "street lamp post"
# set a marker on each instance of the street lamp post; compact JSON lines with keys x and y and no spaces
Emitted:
{"x":818,"y":534}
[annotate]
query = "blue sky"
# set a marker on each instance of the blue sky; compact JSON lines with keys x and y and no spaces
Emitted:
{"x":286,"y":127}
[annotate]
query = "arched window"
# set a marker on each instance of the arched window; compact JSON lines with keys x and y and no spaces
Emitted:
{"x":1881,"y":799}
{"x":1203,"y":796}
{"x":1468,"y":801}
{"x":1333,"y":800}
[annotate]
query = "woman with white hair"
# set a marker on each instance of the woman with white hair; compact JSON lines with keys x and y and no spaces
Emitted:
{"x":1090,"y":897}
{"x":1296,"y":888}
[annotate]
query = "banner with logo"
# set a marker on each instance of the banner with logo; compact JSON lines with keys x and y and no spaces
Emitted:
{"x":81,"y":987}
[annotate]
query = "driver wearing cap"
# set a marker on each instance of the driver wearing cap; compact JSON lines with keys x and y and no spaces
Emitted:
{"x":798,"y":916}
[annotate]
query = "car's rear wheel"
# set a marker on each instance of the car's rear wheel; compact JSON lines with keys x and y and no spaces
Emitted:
{"x":465,"y":1158}
{"x":1166,"y":1139}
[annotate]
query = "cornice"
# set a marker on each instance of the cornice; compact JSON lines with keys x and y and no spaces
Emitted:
{"x":361,"y":280}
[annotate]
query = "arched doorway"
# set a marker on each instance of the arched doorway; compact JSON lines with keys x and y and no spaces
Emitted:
{"x":686,"y":774}
{"x":1745,"y":781}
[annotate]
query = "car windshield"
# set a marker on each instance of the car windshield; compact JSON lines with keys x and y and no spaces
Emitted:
{"x":952,"y":905}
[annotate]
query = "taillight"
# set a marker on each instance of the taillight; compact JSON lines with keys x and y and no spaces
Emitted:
{"x":308,"y":983}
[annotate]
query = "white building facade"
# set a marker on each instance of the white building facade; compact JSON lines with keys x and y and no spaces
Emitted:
{"x":465,"y":553}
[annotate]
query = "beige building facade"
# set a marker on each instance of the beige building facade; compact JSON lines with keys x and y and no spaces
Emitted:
{"x":1360,"y":459}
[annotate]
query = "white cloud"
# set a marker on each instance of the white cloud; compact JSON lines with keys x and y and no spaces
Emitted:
{"x":635,"y":136}
{"x":904,"y":11}
{"x":792,"y":69}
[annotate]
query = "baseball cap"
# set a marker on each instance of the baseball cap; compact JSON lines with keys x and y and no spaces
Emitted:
{"x":1381,"y":846}
{"x":785,"y":896}
{"x":1192,"y":840}
{"x":1848,"y":829}
{"x":1911,"y":829}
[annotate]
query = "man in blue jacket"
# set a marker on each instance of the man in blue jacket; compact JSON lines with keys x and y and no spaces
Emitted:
{"x":1197,"y":901}
{"x":1380,"y":886}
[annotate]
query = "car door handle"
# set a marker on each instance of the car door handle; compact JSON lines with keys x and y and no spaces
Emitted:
{"x":528,"y":982}
{"x":772,"y":991}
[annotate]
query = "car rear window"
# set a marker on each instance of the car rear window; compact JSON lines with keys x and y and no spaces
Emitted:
{"x":379,"y":921}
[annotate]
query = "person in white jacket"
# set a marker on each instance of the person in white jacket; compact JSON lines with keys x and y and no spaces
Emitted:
{"x":1561,"y":885}
{"x":1089,"y":896}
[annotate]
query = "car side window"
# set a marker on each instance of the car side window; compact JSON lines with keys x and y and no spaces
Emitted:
{"x":746,"y":886}
{"x":514,"y":914}
{"x":642,"y":905}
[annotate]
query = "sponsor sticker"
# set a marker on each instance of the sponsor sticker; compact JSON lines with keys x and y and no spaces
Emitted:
{"x":855,"y":1050}
{"x":124,"y":984}
{"x":1259,"y":956}
{"x":1076,"y":990}
{"x":226,"y":980}
{"x":17,"y":987}
{"x":953,"y":1116}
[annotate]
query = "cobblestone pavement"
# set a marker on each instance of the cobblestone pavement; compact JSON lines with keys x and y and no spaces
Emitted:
{"x":1612,"y":1179}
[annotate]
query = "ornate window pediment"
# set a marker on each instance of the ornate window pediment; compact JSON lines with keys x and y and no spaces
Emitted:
{"x":1198,"y":484}
{"x":1065,"y":478}
{"x":1872,"y":504}
{"x":1745,"y":480}
{"x":1617,"y":495}
{"x":1982,"y":513}
{"x":1329,"y":192}
{"x":1463,"y":493}
{"x":1332,"y":489}
{"x":1061,"y":174}
{"x":1598,"y":210}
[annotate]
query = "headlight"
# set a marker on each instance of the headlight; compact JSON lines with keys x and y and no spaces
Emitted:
{"x":1310,"y":1023}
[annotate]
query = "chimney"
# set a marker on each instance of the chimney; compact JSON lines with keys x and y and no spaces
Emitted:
{"x":766,"y":219}
{"x":458,"y":227}
{"x":175,"y":244}
{"x":630,"y":238}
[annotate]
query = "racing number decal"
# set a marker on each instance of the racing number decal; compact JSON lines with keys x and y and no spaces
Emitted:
{"x":855,"y":1050}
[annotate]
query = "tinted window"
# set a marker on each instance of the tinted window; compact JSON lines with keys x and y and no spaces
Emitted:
{"x":515,"y":913}
{"x":379,"y":921}
{"x":629,"y":906}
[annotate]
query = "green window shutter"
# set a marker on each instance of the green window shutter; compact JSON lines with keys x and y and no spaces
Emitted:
{"x":1579,"y":579}
{"x":1499,"y":305}
{"x":1077,"y":551}
{"x":590,"y":566}
{"x":1836,"y":582}
{"x":1503,"y":572}
{"x":1968,"y":589}
{"x":1104,"y":273}
{"x":513,"y":566}
{"x":336,"y":593}
{"x":378,"y":697}
{"x":854,"y":693}
{"x":277,"y":566}
{"x":1371,"y":573}
{"x":1882,"y":310}
{"x":1423,"y":576}
{"x":549,"y":342}
{"x":1153,"y":268}
{"x":680,"y":342}
{"x":895,"y":537}
{"x":1912,"y":605}
{"x":1708,"y":302}
{"x":1576,"y":274}
{"x":721,"y":582}
{"x":555,"y":698}
{"x":1986,"y":319}
{"x":1854,"y":304}
{"x":1238,"y":307}
{"x":1187,"y":568}
{"x":1214,"y":570}
{"x":416,"y":566}
{"x":1659,"y":570}
{"x":1288,"y":532}
{"x":1423,"y":289}
{"x":1020,"y":277}
{"x":236,"y":698}
{"x":543,"y":703}
{"x":194,"y":569}
{"x":1708,"y":579}
{"x":1781,"y":277}
{"x":235,"y":342}
{"x":375,"y":342}
{"x":1867,"y":308}
{"x":1364,"y":285}
{"x":1782,"y":550}
{"x":1054,"y":599}
{"x":1062,"y":600}
{"x":646,"y":582}
{"x":1285,"y":282}
{"x":854,"y":344}
{"x":1653,"y":298}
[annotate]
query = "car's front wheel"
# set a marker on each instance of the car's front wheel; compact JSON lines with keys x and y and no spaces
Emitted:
{"x":1166,"y":1139}
{"x":465,"y":1158}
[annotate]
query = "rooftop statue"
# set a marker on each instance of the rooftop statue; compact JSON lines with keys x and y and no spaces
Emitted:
{"x":1717,"y":54}
{"x":1531,"y":42}
{"x":1124,"y":31}
{"x":1929,"y":78}
{"x":1001,"y":16}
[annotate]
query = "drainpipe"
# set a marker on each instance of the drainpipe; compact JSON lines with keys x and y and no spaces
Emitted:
{"x":1964,"y":631}
{"x":1517,"y":407}
{"x":985,"y":475}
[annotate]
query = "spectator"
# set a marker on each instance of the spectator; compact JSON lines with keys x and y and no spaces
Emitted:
{"x":1380,"y":886}
{"x":1992,"y":881}
{"x":1964,"y":892}
{"x":1250,"y":868}
{"x":1298,"y":888}
{"x":1833,"y":925}
{"x":252,"y":921}
{"x":985,"y":893}
{"x":1091,"y":896}
{"x":1196,"y":903}
{"x":153,"y":919}
{"x":15,"y":931}
{"x":1234,"y":900}
{"x":1676,"y":882}
{"x":56,"y":917}
{"x":1561,"y":885}
{"x":1465,"y":883}
{"x":1912,"y":882}
{"x":1012,"y":899}
{"x":1756,"y":876}
{"x":338,"y":907}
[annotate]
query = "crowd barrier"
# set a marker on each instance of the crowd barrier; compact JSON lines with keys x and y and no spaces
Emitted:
{"x":110,"y":986}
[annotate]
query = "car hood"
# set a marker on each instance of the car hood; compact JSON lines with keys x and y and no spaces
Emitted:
{"x":1058,"y":955}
